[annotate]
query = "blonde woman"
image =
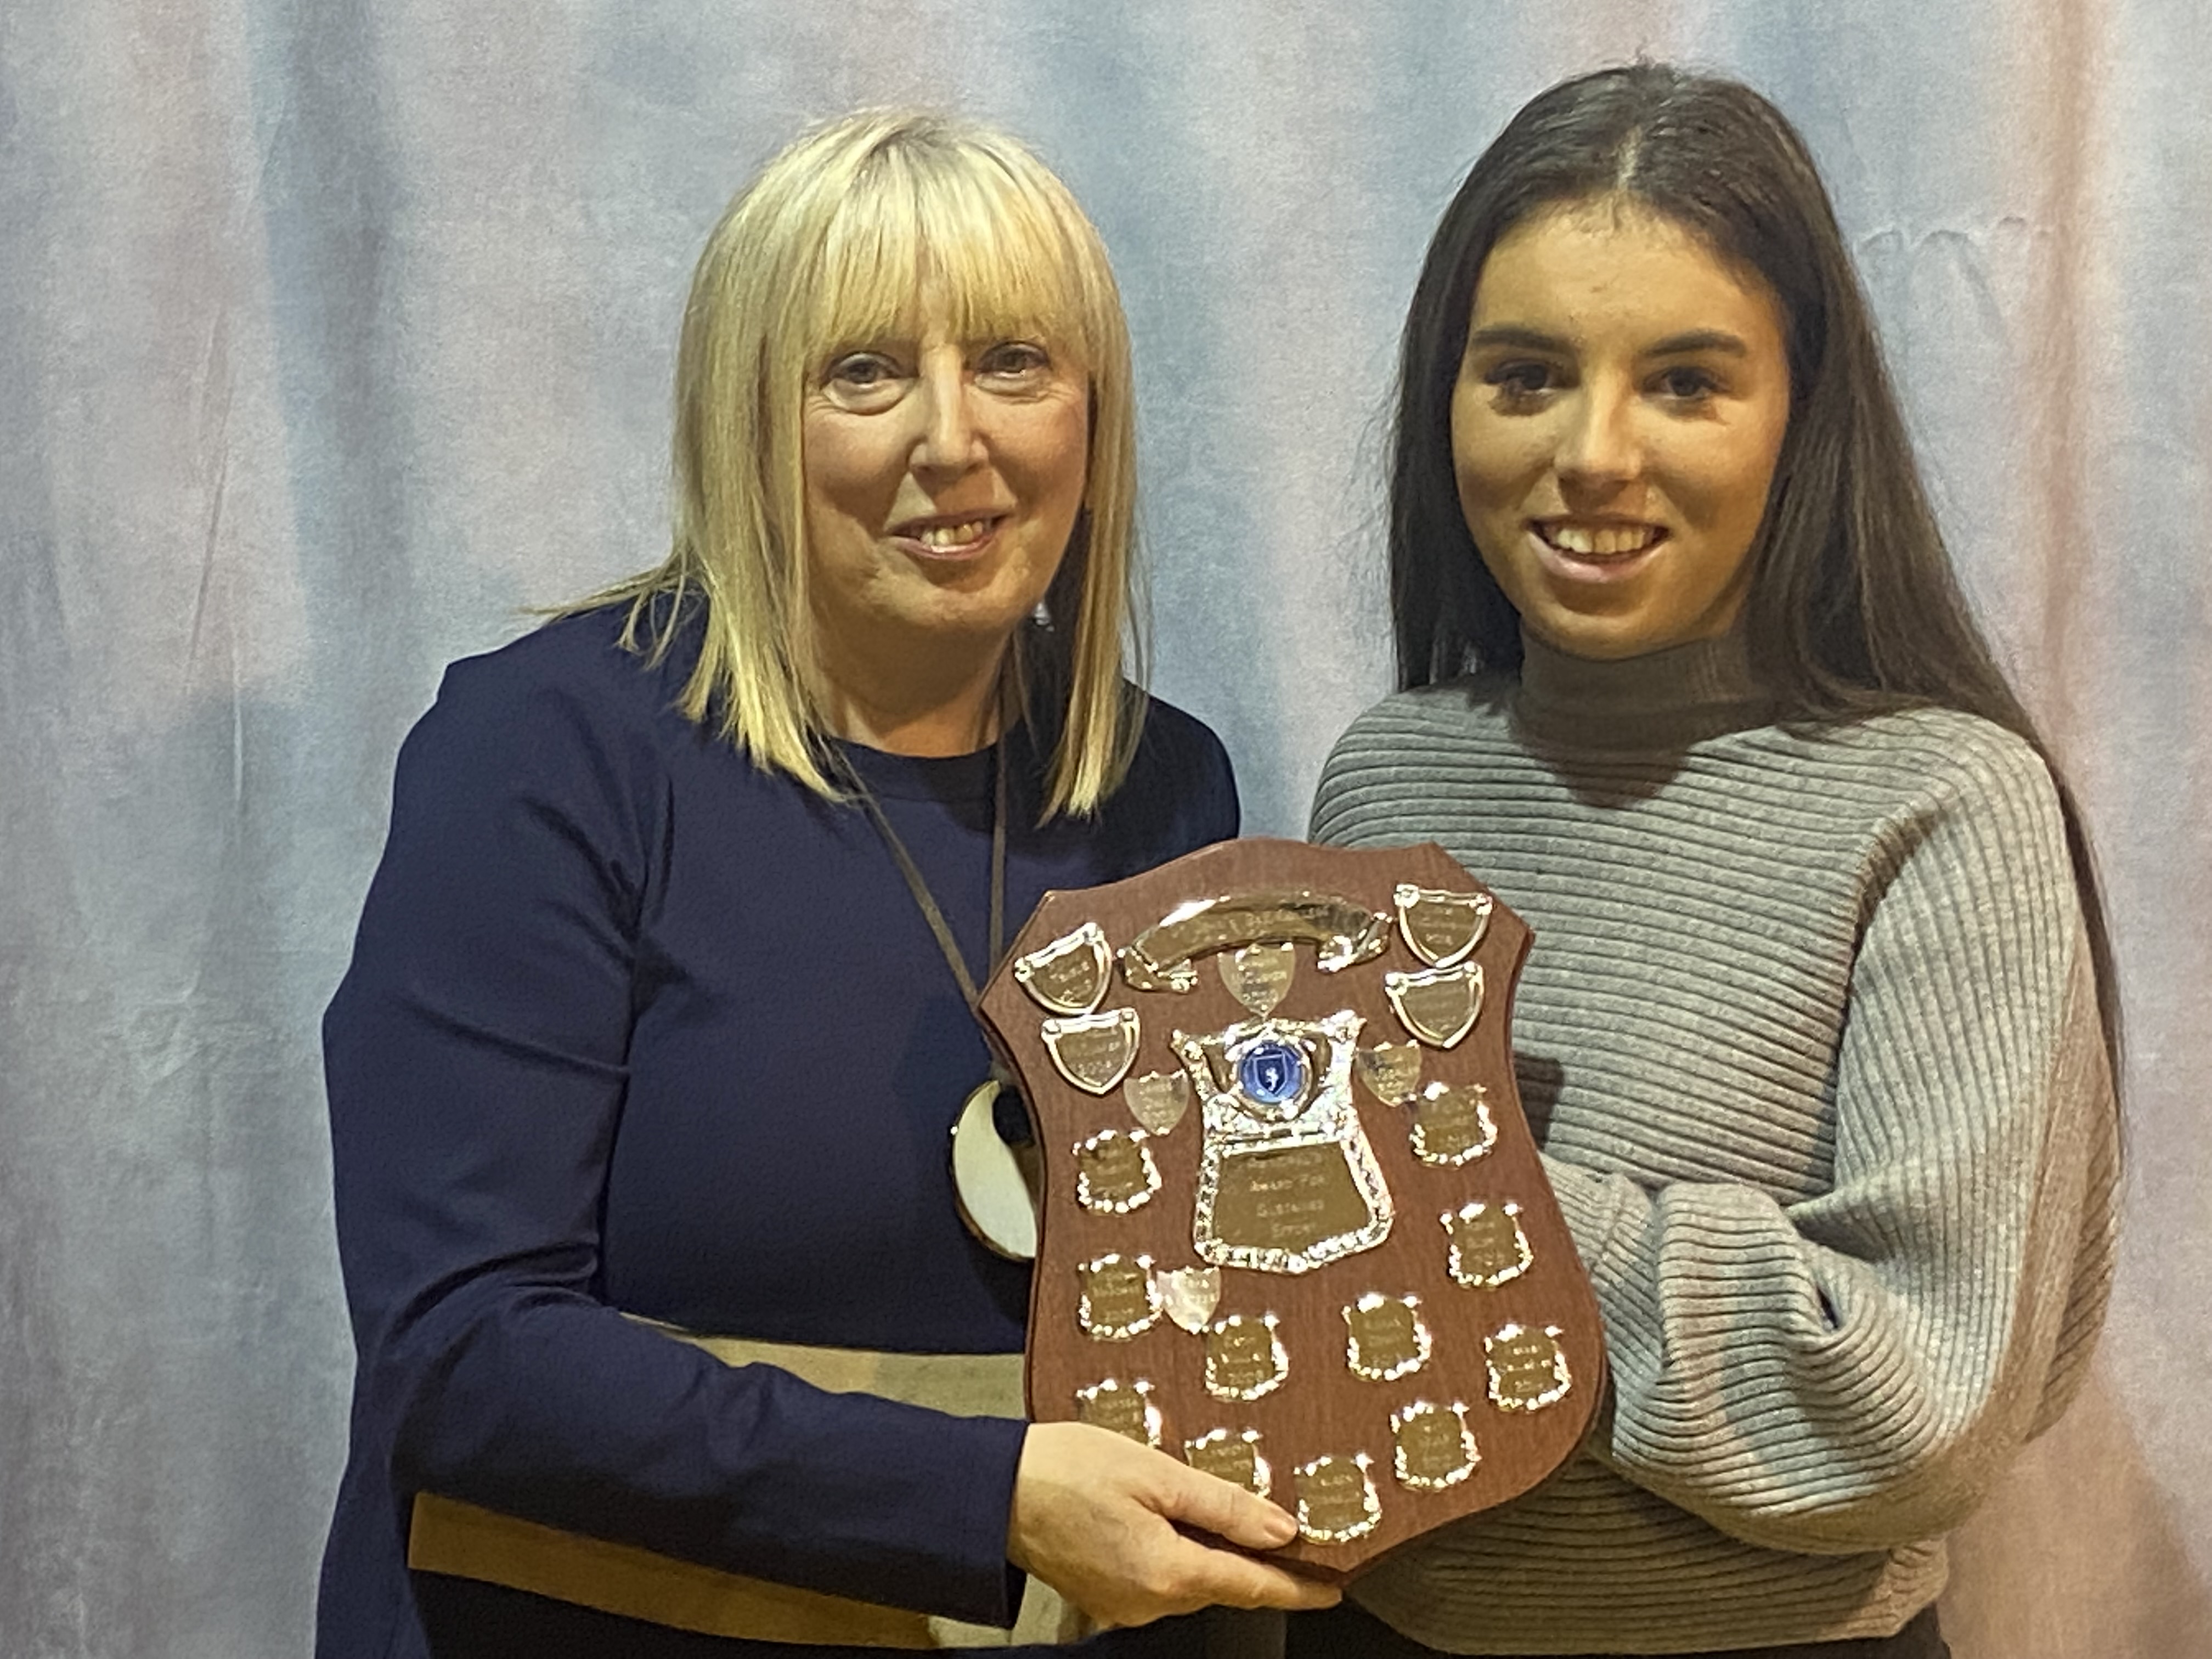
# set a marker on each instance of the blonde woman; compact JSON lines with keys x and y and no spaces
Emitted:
{"x":672,"y":1340}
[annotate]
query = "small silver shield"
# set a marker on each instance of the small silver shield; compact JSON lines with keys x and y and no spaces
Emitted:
{"x":1440,"y":926}
{"x":1093,"y":1051}
{"x":1438,"y":1007}
{"x":1159,"y":1099}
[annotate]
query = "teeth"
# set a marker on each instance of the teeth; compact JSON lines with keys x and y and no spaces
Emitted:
{"x":1605,"y":542}
{"x":952,"y":535}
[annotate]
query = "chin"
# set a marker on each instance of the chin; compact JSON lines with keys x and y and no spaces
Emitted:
{"x":988,"y":625}
{"x":1614,"y":638}
{"x":1600,"y":639}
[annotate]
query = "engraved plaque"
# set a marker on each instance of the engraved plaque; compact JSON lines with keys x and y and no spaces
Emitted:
{"x":1118,"y":1301}
{"x":1527,"y":1371}
{"x":1093,"y":1051}
{"x":1438,"y":1007}
{"x":1392,"y":1071}
{"x":1336,"y":1500}
{"x":1291,"y":1211}
{"x":1123,"y":1409}
{"x":1070,"y":975}
{"x":1385,"y":1339}
{"x":1452,"y":1124}
{"x":1190,"y":1296}
{"x":1431,"y":1446}
{"x":1158,"y":1100}
{"x":1488,"y":1245}
{"x":1114,"y":1172}
{"x":1287,"y":1180}
{"x":1233,"y":1457}
{"x":1259,"y":976}
{"x":1441,"y":927}
{"x":1297,"y":1205}
{"x":1244,"y":1359}
{"x":1341,"y":933}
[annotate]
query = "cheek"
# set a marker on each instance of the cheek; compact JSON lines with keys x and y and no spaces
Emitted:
{"x":1760,"y":484}
{"x":1058,"y":452}
{"x":1492,"y":473}
{"x":838,"y":467}
{"x":1722,"y":482}
{"x":1494,"y":457}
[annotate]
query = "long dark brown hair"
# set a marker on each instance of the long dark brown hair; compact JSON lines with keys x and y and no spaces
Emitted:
{"x":1854,"y":608}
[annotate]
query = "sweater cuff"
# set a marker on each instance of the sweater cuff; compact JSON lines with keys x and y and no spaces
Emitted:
{"x":1591,"y":1204}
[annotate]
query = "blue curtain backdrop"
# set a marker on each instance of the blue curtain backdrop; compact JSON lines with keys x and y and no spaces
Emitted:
{"x":333,"y":334}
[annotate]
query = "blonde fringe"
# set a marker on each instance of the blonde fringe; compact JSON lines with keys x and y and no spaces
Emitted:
{"x":821,"y":250}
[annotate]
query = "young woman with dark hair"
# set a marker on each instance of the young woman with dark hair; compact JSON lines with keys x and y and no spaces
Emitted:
{"x":1818,"y":1029}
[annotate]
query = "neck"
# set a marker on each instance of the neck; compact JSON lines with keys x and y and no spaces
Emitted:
{"x":918,"y":702}
{"x":1669,"y":698}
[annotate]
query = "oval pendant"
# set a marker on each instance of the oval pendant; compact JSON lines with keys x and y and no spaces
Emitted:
{"x":996,"y":1184}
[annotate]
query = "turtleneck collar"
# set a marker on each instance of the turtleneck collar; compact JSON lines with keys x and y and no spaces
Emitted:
{"x":1663,"y":700}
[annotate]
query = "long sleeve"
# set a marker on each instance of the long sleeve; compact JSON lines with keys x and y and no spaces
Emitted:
{"x":476,"y":1057}
{"x":1809,"y":1036}
{"x":635,"y":1027}
{"x":1848,"y":1372}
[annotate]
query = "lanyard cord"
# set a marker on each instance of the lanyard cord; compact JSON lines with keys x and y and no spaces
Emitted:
{"x":925,"y":900}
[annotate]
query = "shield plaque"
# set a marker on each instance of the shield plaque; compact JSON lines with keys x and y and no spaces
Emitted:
{"x":1294,"y":1228}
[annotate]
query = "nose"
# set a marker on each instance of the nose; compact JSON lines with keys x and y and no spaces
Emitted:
{"x":948,"y":440}
{"x":1600,"y":449}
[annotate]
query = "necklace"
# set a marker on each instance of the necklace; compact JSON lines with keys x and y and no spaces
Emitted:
{"x":925,"y":901}
{"x":994,"y":1185}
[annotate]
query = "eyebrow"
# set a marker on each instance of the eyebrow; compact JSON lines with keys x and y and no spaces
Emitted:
{"x":1675,"y":345}
{"x":1699,"y":339}
{"x":1513,"y":334}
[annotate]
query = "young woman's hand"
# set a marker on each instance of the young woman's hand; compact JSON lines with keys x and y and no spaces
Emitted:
{"x":1106,"y":1522}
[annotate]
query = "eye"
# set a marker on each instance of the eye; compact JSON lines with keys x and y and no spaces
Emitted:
{"x":1521,"y":381}
{"x":860,"y":369}
{"x":1685,"y":383}
{"x":863,"y":379}
{"x":1019,"y":362}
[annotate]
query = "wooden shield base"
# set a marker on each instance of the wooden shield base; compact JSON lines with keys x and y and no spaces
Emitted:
{"x":1310,"y":1234}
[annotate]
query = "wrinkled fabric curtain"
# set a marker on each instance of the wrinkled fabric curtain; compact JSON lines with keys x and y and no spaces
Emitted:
{"x":332,"y":336}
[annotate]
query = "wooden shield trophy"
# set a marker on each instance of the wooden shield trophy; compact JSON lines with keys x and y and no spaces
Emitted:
{"x":1294,"y":1228}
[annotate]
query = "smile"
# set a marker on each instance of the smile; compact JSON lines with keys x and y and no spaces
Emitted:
{"x":948,"y":537}
{"x":1598,"y":541}
{"x":1586,"y":556}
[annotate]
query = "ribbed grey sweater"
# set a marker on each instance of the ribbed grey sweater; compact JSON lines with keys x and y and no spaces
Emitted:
{"x":1809,"y":1036}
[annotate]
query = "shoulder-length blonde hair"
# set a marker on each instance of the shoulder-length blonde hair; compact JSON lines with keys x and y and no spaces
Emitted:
{"x":829,"y":246}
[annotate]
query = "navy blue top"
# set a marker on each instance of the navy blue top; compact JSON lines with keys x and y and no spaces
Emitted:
{"x":634,"y":1025}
